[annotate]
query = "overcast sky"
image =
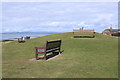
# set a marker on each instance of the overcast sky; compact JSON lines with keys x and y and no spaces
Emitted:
{"x":58,"y":16}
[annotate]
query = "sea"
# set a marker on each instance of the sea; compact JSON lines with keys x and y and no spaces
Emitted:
{"x":14,"y":35}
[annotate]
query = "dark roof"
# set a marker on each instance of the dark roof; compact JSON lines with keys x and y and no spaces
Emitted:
{"x":113,"y":30}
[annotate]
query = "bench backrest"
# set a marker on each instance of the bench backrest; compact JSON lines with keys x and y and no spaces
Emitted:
{"x":83,"y":32}
{"x":53,"y":45}
{"x":77,"y":30}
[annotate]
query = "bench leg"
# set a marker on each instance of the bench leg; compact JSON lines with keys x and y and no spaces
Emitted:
{"x":45,"y":58}
{"x":59,"y":51}
{"x":36,"y":56}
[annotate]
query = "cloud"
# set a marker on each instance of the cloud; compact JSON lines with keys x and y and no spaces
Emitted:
{"x":54,"y":23}
{"x":104,"y":18}
{"x":51,"y":16}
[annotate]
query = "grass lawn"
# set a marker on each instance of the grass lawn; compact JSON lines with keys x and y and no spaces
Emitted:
{"x":82,"y":58}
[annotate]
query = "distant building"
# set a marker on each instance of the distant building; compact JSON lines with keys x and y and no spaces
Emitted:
{"x":111,"y":32}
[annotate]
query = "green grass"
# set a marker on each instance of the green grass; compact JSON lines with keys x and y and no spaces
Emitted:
{"x":82,"y":58}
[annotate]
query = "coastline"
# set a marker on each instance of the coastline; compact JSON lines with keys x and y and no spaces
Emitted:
{"x":10,"y":37}
{"x":8,"y":40}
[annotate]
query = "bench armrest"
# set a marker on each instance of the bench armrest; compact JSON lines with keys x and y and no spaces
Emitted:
{"x":40,"y":50}
{"x":39,"y":47}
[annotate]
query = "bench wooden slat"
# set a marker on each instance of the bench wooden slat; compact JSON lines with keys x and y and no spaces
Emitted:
{"x":52,"y":45}
{"x":51,"y":50}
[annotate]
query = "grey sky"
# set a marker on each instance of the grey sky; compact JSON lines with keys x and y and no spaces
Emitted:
{"x":58,"y":16}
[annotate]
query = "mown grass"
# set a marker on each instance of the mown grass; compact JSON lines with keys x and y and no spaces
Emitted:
{"x":82,"y":58}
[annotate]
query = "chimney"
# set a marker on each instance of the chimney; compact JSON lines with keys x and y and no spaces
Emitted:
{"x":82,"y":28}
{"x":110,"y":27}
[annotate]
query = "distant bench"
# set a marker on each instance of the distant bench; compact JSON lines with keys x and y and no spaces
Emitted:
{"x":27,"y":37}
{"x":21,"y":40}
{"x":83,"y":33}
{"x":50,"y":46}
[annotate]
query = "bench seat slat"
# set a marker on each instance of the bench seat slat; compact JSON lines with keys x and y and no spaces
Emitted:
{"x":52,"y":49}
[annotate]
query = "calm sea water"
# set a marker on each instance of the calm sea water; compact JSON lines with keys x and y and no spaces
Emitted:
{"x":19,"y":35}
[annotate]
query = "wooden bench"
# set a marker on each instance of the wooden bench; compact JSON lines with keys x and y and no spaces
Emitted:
{"x":21,"y":40}
{"x":27,"y":37}
{"x":50,"y":46}
{"x":77,"y":32}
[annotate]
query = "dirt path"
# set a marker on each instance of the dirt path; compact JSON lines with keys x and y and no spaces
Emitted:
{"x":34,"y":59}
{"x":8,"y":41}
